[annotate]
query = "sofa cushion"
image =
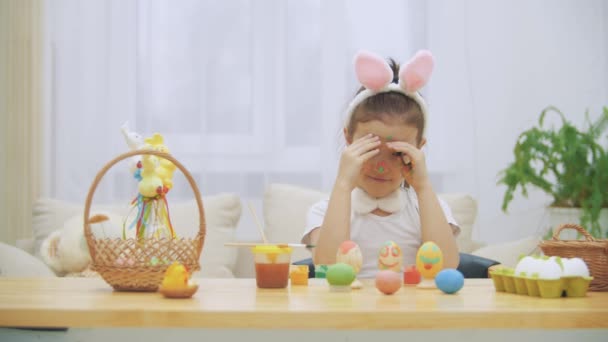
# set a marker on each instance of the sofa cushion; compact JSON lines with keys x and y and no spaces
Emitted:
{"x":15,"y":262}
{"x":222,"y":213}
{"x":464,"y":210}
{"x":285,"y":210}
{"x":286,"y":207}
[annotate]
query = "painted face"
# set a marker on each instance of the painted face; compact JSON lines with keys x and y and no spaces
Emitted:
{"x":429,"y":260}
{"x":390,"y":257}
{"x":350,"y":253}
{"x":385,"y":164}
{"x":382,"y":174}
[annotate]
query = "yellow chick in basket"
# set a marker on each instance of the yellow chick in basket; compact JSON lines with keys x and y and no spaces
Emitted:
{"x":165,"y":168}
{"x":150,"y":184}
{"x":176,"y":282}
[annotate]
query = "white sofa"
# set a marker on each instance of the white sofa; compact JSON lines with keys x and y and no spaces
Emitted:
{"x":284,"y":211}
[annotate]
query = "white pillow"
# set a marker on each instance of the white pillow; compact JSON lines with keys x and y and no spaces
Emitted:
{"x":508,"y":253}
{"x":285,"y":210}
{"x":222,"y":213}
{"x":464,"y":210}
{"x":286,"y":206}
{"x":15,"y":262}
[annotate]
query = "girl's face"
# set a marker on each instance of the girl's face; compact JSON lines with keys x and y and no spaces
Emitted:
{"x":382,"y":174}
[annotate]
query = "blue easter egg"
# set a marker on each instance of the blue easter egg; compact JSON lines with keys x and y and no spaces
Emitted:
{"x":449,"y":280}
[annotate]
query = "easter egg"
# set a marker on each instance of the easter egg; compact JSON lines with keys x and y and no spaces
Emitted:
{"x":120,"y":261}
{"x":390,"y":257}
{"x":575,"y":267}
{"x":449,"y":280}
{"x":429,"y":260}
{"x":350,"y":253}
{"x":528,"y":266}
{"x":523,"y":266}
{"x":411,"y":276}
{"x":340,"y":274}
{"x":551,"y":270}
{"x":154,"y":261}
{"x":388,"y":282}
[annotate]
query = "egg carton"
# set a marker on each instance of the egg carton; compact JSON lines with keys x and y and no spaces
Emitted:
{"x":505,"y":281}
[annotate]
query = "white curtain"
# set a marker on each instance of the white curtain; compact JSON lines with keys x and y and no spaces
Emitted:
{"x":249,"y":92}
{"x":21,"y":103}
{"x":245,"y":92}
{"x":499,"y":63}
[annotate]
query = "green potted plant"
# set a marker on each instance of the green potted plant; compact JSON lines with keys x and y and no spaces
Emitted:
{"x":568,"y":164}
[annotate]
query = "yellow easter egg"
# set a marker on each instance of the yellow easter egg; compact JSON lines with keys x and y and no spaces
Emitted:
{"x":390,"y":257}
{"x":429,"y":260}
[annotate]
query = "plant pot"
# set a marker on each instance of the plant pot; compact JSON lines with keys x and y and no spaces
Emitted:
{"x":558,"y":216}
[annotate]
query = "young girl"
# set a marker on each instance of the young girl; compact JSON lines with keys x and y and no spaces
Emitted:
{"x":382,"y":191}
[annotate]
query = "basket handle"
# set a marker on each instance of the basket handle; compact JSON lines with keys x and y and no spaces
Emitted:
{"x":87,"y":206}
{"x":580,"y":229}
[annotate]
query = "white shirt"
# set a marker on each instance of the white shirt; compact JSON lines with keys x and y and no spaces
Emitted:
{"x":371,"y":231}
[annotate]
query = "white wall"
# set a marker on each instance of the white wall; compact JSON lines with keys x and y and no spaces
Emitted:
{"x":499,"y":63}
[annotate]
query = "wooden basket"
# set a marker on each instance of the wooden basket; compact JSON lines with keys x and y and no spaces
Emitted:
{"x":593,"y":252}
{"x":139,"y":273}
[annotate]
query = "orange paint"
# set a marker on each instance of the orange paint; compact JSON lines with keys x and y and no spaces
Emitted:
{"x":299,"y":275}
{"x":272,"y":276}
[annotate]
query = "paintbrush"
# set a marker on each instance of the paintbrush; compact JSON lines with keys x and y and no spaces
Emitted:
{"x":253,"y":244}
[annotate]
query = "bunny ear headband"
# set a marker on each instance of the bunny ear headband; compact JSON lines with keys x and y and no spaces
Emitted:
{"x":376,"y":76}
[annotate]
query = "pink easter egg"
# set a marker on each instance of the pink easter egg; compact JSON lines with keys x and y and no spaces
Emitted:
{"x":388,"y":282}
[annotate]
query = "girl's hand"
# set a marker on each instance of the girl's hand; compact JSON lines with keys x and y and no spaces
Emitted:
{"x":414,"y":165}
{"x":353,"y":157}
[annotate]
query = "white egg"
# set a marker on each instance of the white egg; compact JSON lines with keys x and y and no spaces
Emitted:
{"x":558,"y":260}
{"x":536,"y":266}
{"x":575,"y":267}
{"x":524,"y":266}
{"x":550,"y":270}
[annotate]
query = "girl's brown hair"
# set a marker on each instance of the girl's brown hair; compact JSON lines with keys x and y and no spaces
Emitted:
{"x":388,"y":106}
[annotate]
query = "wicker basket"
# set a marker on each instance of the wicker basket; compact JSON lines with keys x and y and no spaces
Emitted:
{"x":139,"y":274}
{"x":593,"y":252}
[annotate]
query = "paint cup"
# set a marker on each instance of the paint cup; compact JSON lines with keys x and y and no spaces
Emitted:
{"x":271,"y":266}
{"x":298,"y":274}
{"x":321,"y":271}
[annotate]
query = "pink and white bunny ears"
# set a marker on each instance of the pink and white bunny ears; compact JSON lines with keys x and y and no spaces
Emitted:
{"x":376,"y":76}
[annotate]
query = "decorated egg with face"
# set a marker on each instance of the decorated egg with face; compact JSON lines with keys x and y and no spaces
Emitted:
{"x":429,"y":260}
{"x":390,"y":257}
{"x":350,"y":254}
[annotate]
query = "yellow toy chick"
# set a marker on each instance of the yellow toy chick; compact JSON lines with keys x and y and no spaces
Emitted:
{"x":176,"y":282}
{"x":176,"y":276}
{"x":164,"y":168}
{"x":150,"y":184}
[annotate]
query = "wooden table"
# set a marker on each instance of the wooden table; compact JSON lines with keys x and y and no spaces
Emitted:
{"x":237,"y":303}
